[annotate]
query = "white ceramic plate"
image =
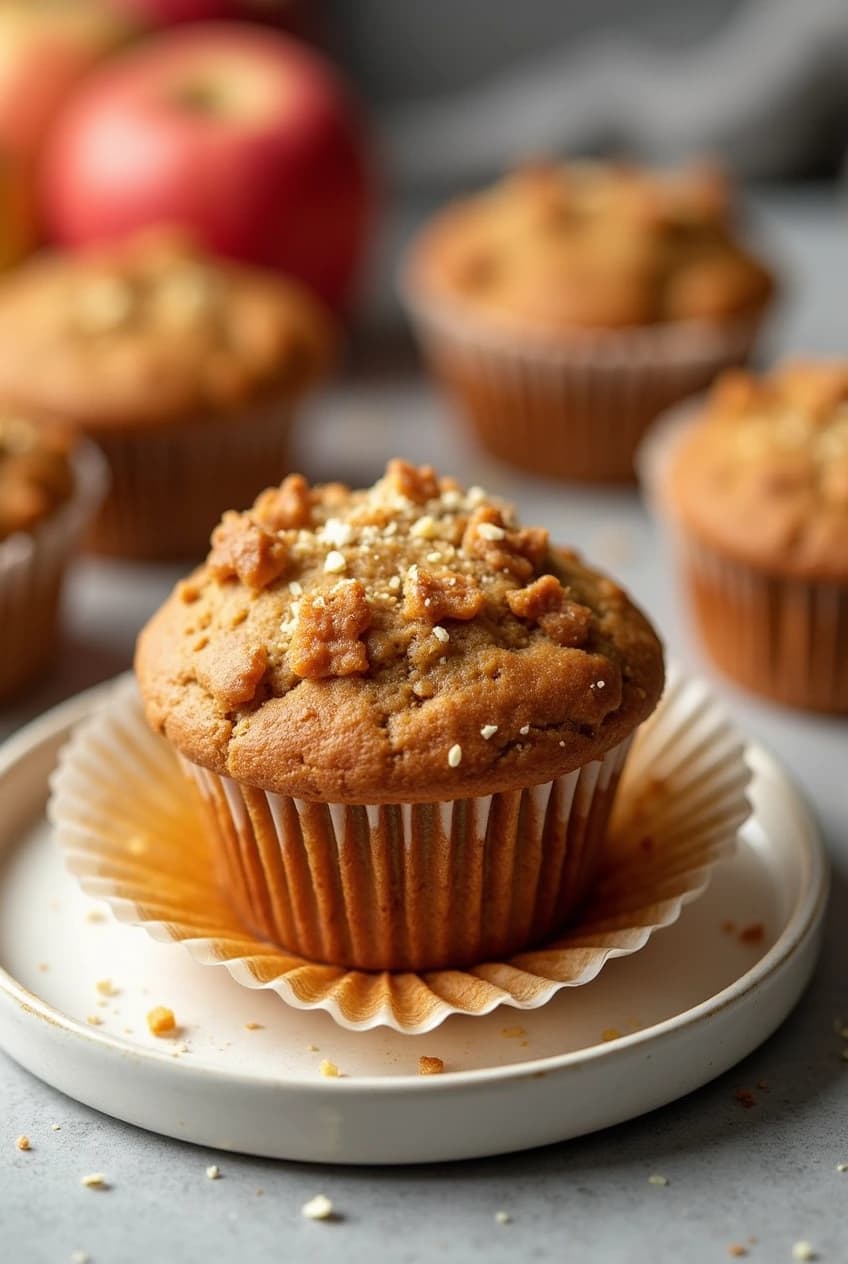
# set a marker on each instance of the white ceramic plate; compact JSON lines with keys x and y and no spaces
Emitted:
{"x":652,"y":1027}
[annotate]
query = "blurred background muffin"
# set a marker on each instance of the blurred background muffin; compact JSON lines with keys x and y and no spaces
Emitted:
{"x":49,"y":488}
{"x":315,"y":140}
{"x":566,"y":307}
{"x":184,"y":368}
{"x":755,"y":484}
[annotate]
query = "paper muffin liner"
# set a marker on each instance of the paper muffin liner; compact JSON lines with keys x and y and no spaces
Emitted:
{"x":412,"y":886}
{"x":129,"y":824}
{"x":572,"y":405}
{"x":32,"y":568}
{"x":170,"y":485}
{"x":782,"y":636}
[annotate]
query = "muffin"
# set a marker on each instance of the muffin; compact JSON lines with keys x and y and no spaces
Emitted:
{"x":184,"y":369}
{"x":406,"y":715}
{"x":569,"y":305}
{"x":49,"y":487}
{"x":756,"y":486}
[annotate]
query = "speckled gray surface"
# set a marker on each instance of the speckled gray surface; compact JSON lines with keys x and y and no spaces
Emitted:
{"x":767,"y":1172}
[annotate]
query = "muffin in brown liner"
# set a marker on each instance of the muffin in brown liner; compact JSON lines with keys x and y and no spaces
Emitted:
{"x":185,"y":369}
{"x":754,"y":485}
{"x":131,"y":829}
{"x":568,"y":306}
{"x":50,"y":488}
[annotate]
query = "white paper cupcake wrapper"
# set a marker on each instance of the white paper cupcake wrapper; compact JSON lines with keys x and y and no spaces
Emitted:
{"x":127,"y":820}
{"x":781,"y":636}
{"x":32,"y":567}
{"x":572,"y":405}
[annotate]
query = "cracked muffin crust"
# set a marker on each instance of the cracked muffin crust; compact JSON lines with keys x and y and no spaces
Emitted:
{"x":408,"y":643}
{"x":153,"y":330}
{"x":763,"y":473}
{"x":593,"y":246}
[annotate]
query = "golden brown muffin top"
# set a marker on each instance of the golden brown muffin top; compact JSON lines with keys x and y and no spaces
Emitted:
{"x":152,"y":330}
{"x":763,"y":473}
{"x":410,"y":642}
{"x":593,"y":246}
{"x":35,"y":473}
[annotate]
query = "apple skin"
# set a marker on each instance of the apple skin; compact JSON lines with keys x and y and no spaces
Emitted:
{"x":44,"y":49}
{"x":240,"y":134}
{"x":172,"y":12}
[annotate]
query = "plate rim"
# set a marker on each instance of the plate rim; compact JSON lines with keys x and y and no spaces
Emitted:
{"x":801,"y":924}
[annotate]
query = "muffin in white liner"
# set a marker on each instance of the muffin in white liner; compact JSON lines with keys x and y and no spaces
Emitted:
{"x":130,"y":829}
{"x":32,"y":569}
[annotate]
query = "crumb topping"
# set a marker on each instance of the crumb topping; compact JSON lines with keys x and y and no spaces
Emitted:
{"x":764,"y":472}
{"x":594,"y":245}
{"x":416,"y":619}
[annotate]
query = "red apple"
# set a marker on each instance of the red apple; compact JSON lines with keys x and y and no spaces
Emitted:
{"x":240,"y":134}
{"x":170,"y":12}
{"x":45,"y":47}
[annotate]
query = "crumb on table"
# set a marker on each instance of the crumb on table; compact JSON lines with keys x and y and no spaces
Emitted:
{"x":656,"y":1179}
{"x":318,"y":1208}
{"x":329,"y":1069}
{"x":22,"y":1142}
{"x":94,"y":1180}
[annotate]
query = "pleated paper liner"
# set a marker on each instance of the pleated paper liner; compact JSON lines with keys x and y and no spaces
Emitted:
{"x":32,"y":570}
{"x":171,"y":483}
{"x":571,"y":405}
{"x":130,"y":826}
{"x":782,"y":636}
{"x":411,"y":886}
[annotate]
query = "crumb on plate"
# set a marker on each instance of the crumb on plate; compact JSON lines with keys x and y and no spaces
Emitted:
{"x":429,"y":1065}
{"x":161,"y":1020}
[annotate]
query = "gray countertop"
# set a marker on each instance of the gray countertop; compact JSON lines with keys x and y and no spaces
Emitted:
{"x":766,"y":1173}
